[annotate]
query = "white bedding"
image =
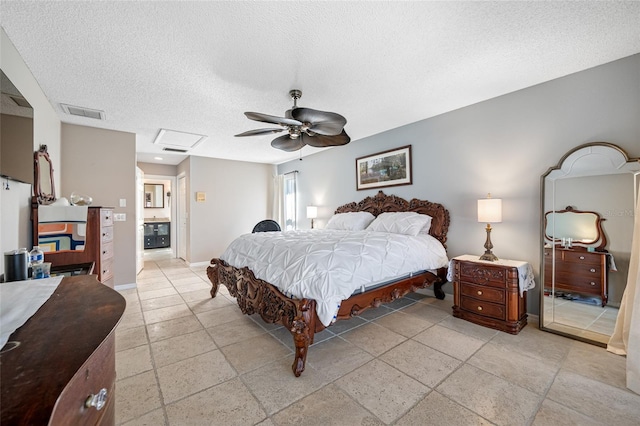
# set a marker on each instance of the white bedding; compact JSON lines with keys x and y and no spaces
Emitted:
{"x":329,"y":265}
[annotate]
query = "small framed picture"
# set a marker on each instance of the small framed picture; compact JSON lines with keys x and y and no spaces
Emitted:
{"x":386,"y":168}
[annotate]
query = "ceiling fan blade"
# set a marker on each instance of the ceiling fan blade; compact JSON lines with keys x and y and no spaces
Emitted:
{"x":322,"y":122}
{"x":266,"y":118}
{"x":285,"y":143}
{"x":259,"y":132}
{"x":322,"y":141}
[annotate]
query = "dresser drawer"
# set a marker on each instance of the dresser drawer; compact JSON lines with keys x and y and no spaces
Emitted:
{"x":488,"y":294}
{"x":106,"y":234}
{"x":106,"y":251}
{"x":106,"y":270}
{"x":583,"y":257}
{"x":480,"y":274}
{"x":106,"y":217}
{"x":486,"y":309}
{"x":96,"y":374}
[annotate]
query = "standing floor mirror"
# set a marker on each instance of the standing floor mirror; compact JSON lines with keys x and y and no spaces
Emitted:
{"x":587,"y":203}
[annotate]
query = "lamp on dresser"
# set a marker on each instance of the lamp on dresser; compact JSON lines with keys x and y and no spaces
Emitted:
{"x":489,"y":211}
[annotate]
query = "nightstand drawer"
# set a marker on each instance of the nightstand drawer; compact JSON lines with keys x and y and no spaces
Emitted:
{"x":480,"y":274}
{"x":488,"y":294}
{"x":483,"y":308}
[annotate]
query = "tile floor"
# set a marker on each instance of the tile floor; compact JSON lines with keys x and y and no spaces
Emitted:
{"x":590,"y":321}
{"x":186,"y":359}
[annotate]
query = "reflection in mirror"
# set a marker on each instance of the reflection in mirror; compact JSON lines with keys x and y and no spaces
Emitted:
{"x":153,"y":195}
{"x":583,"y":281}
{"x":16,"y":133}
{"x":44,"y":188}
{"x":574,"y":228}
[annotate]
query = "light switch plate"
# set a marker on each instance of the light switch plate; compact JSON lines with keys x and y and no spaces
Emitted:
{"x":123,"y":202}
{"x":120,"y":217}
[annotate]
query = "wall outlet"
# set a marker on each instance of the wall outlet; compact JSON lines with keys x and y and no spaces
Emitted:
{"x":120,"y":217}
{"x":123,"y":202}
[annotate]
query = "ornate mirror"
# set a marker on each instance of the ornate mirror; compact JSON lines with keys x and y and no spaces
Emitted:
{"x":574,"y":228}
{"x":44,"y":188}
{"x":587,"y":203}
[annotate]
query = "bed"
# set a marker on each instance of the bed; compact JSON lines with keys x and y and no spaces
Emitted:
{"x":256,"y":295}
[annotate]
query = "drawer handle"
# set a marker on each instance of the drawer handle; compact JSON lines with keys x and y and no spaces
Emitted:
{"x":479,"y":293}
{"x":479,"y":308}
{"x":592,"y":270}
{"x":97,"y":401}
{"x":105,"y":234}
{"x":592,"y":283}
{"x":581,"y":257}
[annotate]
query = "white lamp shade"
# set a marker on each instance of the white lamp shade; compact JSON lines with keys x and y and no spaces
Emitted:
{"x":490,"y":210}
{"x":312,"y":212}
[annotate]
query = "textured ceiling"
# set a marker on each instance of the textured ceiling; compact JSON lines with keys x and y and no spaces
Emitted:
{"x":197,"y":66}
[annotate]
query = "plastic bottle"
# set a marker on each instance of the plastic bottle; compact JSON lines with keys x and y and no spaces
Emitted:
{"x":36,"y":256}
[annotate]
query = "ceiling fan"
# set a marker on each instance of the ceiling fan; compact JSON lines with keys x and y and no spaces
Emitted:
{"x":304,"y":126}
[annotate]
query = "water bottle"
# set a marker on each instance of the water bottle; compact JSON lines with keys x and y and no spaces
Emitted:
{"x":36,"y":256}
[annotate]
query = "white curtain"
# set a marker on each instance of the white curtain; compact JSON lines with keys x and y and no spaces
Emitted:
{"x":278,"y":200}
{"x":626,"y":335}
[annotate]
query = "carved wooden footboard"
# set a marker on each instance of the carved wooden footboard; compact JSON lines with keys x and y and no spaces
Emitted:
{"x":255,"y":296}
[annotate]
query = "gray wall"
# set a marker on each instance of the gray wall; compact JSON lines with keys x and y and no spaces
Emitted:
{"x":102,"y":164}
{"x":501,"y":146}
{"x":237,"y":197}
{"x":158,"y":169}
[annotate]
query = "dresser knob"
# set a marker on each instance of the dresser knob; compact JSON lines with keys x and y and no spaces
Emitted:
{"x":592,"y":283}
{"x":479,"y":308}
{"x":97,"y":401}
{"x":581,"y":257}
{"x":479,"y":293}
{"x":592,"y":270}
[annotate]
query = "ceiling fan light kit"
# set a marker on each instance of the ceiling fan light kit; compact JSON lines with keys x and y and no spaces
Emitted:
{"x":304,"y":126}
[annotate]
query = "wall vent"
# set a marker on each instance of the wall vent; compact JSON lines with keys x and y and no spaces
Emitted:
{"x":175,"y":150}
{"x":83,"y":112}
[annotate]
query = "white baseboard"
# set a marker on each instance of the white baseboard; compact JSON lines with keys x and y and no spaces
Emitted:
{"x":197,"y":264}
{"x":125,"y":286}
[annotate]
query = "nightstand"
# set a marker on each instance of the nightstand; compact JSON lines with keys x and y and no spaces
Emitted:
{"x":492,"y":294}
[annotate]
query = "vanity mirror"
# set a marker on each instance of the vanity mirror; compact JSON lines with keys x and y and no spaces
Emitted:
{"x":44,"y":189}
{"x":153,"y":195}
{"x":587,"y":203}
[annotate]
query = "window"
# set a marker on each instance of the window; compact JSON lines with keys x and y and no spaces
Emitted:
{"x":290,"y":202}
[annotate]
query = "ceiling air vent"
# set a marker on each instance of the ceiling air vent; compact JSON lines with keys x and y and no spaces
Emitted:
{"x":83,"y":112}
{"x":21,"y":102}
{"x":175,"y":150}
{"x":176,"y":141}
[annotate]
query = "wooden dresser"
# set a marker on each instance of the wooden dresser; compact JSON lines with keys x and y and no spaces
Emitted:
{"x":65,"y":359}
{"x":98,"y":244}
{"x":487,"y":293}
{"x":577,"y":271}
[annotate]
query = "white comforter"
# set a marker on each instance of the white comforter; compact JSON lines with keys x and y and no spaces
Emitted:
{"x":329,"y":265}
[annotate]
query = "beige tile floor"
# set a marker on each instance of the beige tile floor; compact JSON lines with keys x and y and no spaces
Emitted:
{"x":589,"y":321}
{"x":186,"y":359}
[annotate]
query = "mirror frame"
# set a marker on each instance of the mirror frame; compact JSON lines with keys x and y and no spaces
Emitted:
{"x":43,"y":197}
{"x":558,"y":166}
{"x":601,"y":236}
{"x":161,"y":196}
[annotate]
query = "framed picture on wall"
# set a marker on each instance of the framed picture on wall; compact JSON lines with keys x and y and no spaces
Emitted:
{"x":386,"y":168}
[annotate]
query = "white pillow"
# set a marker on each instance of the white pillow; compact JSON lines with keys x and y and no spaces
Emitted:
{"x":427,"y":226}
{"x":407,"y":223}
{"x":353,"y":221}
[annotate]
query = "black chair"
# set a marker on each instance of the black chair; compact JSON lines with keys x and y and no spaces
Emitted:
{"x":267,"y":225}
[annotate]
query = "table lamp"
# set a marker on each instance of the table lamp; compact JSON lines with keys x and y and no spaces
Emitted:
{"x":489,"y":211}
{"x":312,"y":213}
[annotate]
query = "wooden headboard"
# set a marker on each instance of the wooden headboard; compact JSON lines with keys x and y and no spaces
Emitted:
{"x":381,"y":203}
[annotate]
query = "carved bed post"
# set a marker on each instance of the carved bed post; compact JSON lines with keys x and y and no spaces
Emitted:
{"x":303,"y":330}
{"x":212,"y":273}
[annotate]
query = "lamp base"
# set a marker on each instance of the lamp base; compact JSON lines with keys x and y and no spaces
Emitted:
{"x":489,"y":257}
